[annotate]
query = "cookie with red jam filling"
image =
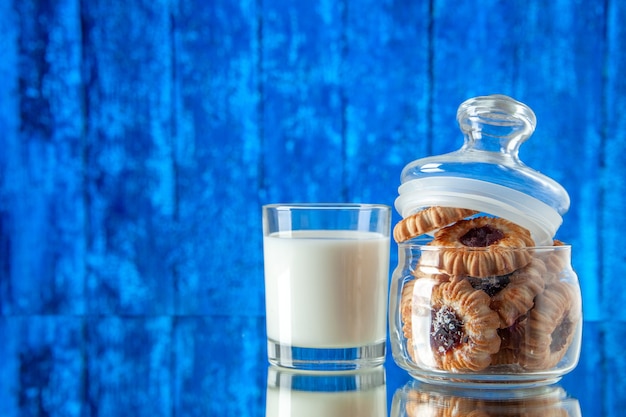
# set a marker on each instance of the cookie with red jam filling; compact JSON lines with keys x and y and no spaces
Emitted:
{"x":481,"y":247}
{"x":463,"y":332}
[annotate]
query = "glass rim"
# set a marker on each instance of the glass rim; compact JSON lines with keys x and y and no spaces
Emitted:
{"x":326,"y":206}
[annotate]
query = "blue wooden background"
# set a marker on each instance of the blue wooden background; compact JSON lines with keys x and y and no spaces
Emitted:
{"x":139,"y":139}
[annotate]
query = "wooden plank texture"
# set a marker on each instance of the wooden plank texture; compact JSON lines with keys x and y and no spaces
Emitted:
{"x":129,"y":170}
{"x":42,"y":206}
{"x":302,"y":109}
{"x":474,"y":54}
{"x":386,"y":81}
{"x":9,"y":123}
{"x":217,"y":240}
{"x":613,"y":177}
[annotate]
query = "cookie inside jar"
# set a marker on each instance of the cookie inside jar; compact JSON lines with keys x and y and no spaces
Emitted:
{"x":486,"y":294}
{"x":518,"y":315}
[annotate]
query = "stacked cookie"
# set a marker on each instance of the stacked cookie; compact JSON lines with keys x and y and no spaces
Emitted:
{"x":494,"y":300}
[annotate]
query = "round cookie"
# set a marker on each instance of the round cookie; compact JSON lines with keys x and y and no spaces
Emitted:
{"x":518,"y":295}
{"x":481,"y":247}
{"x":463,"y":333}
{"x":428,"y":220}
{"x":551,"y":327}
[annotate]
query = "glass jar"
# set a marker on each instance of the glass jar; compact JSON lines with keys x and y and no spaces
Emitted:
{"x":517,"y":329}
{"x":483,"y":293}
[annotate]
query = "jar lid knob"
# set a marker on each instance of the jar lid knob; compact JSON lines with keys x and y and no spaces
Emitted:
{"x":495,"y":123}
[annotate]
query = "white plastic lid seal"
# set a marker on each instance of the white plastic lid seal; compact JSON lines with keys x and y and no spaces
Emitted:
{"x":539,"y":218}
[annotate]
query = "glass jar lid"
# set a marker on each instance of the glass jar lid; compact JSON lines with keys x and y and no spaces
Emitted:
{"x":486,"y":174}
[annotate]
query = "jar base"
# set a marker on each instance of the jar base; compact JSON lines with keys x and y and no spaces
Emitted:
{"x":490,"y":382}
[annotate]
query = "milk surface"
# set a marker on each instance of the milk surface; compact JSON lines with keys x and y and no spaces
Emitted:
{"x":326,"y":288}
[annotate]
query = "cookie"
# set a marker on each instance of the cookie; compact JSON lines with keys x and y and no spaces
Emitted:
{"x":463,"y":331}
{"x":517,"y":297}
{"x":510,"y":340}
{"x":551,"y":327}
{"x":556,"y":260}
{"x":481,"y":247}
{"x":428,"y":220}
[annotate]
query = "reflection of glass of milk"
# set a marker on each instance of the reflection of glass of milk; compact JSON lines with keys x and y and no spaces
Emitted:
{"x":326,"y":292}
{"x":354,"y":393}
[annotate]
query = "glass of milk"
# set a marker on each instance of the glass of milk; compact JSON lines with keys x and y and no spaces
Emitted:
{"x":326,"y":283}
{"x":359,"y":392}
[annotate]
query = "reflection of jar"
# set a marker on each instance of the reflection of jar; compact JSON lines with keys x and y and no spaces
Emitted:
{"x":483,"y":293}
{"x":419,"y":399}
{"x":474,"y":330}
{"x":339,"y":393}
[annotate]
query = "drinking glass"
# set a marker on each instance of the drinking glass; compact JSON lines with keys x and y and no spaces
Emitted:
{"x":326,"y":284}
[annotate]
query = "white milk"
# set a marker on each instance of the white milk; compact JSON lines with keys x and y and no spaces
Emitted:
{"x":288,"y":403}
{"x":326,"y":288}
